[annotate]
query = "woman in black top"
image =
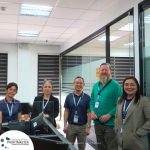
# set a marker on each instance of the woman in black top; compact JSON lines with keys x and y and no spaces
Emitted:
{"x":46,"y":103}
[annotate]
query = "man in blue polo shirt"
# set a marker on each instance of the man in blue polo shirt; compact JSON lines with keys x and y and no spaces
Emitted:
{"x":76,"y":115}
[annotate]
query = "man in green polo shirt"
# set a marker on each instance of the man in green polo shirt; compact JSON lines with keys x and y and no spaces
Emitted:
{"x":103,"y":102}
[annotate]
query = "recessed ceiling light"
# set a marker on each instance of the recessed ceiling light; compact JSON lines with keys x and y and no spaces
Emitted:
{"x":112,"y":38}
{"x":35,"y":10}
{"x":28,"y":34}
{"x":127,"y":27}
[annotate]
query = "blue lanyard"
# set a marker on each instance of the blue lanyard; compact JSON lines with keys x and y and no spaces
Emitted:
{"x":76,"y":104}
{"x":10,"y":110}
{"x":43,"y":108}
{"x":125,"y":109}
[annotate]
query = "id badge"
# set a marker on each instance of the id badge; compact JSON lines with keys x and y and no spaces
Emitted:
{"x":75,"y":120}
{"x":123,"y":121}
{"x":96,"y":104}
{"x":121,"y":130}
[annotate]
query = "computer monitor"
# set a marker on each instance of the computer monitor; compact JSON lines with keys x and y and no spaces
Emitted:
{"x":49,"y":109}
{"x":37,"y":114}
{"x":21,"y":126}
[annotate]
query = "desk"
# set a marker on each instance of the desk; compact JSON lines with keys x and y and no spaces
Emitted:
{"x":53,"y":140}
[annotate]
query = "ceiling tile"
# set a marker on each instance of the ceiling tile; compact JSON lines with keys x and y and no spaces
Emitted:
{"x":59,"y":22}
{"x":40,"y":2}
{"x":9,"y":26}
{"x":8,"y":34}
{"x":23,"y":27}
{"x":65,"y":36}
{"x":68,"y":17}
{"x":32,"y":20}
{"x":67,"y":13}
{"x":79,"y":23}
{"x":82,"y":4}
{"x":57,"y":43}
{"x":101,"y":4}
{"x":26,"y":39}
{"x":60,"y":40}
{"x":46,"y":40}
{"x":10,"y":8}
{"x":9,"y":1}
{"x":72,"y":30}
{"x":8,"y":18}
{"x":49,"y":35}
{"x":53,"y":29}
{"x":91,"y":15}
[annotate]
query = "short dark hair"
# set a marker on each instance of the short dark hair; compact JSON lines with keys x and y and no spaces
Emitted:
{"x":9,"y":85}
{"x":137,"y":94}
{"x":79,"y":77}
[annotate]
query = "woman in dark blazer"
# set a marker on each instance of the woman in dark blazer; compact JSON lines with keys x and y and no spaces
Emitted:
{"x":46,"y":103}
{"x":132,"y":123}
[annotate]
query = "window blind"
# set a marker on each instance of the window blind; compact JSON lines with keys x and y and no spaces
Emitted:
{"x":122,"y":67}
{"x":3,"y":73}
{"x":48,"y":69}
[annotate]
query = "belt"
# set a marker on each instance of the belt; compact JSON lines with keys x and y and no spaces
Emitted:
{"x":76,"y":124}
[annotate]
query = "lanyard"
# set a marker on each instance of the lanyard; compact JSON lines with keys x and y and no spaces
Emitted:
{"x":10,"y":109}
{"x":125,"y":109}
{"x":100,"y":90}
{"x":44,"y":105}
{"x":76,"y":104}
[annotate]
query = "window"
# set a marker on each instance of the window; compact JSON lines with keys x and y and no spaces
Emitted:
{"x":3,"y":73}
{"x":122,"y":48}
{"x":145,"y":47}
{"x":48,"y":68}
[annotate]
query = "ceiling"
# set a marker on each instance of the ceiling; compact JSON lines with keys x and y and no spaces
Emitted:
{"x":68,"y":17}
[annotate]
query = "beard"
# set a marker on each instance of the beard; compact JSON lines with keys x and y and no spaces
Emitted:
{"x":104,"y":80}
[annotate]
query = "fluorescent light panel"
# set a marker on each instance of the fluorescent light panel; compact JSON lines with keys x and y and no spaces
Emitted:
{"x":28,"y":34}
{"x":112,"y":38}
{"x":35,"y":10}
{"x":127,"y":27}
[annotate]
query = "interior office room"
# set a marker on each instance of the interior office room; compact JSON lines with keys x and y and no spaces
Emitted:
{"x":73,"y":39}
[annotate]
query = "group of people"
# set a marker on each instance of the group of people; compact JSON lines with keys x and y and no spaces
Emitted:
{"x":11,"y":109}
{"x":121,"y":115}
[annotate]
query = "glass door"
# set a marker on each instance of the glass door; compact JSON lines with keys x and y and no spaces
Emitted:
{"x":145,"y":49}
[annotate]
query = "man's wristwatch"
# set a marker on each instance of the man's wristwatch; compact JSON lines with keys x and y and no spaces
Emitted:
{"x":88,"y":126}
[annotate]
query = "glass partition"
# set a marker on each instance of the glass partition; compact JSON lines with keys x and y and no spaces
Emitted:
{"x":122,"y":48}
{"x":115,"y":44}
{"x":145,"y":72}
{"x":82,"y":61}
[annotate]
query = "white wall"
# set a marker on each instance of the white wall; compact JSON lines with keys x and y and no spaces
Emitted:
{"x":23,"y":67}
{"x":12,"y":60}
